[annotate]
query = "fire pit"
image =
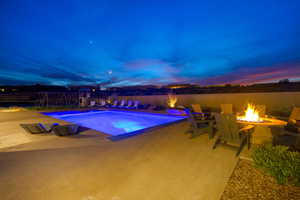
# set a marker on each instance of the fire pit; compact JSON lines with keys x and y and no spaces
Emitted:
{"x":262,"y":131}
{"x":251,"y":115}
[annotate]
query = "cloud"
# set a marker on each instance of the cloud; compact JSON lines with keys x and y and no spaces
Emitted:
{"x":256,"y":75}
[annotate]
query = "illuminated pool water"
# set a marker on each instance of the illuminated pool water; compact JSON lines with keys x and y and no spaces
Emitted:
{"x":116,"y":123}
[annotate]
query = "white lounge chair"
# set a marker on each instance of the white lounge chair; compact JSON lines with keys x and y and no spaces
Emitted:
{"x":102,"y":103}
{"x":115,"y":104}
{"x":122,"y":104}
{"x":136,"y":105}
{"x":129,"y":104}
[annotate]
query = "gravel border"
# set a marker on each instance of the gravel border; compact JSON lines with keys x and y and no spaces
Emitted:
{"x":248,"y":182}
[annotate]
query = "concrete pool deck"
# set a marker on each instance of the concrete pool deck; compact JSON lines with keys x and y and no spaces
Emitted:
{"x":161,"y":164}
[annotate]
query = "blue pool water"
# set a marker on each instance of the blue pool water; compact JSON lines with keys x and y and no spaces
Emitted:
{"x":115,"y":123}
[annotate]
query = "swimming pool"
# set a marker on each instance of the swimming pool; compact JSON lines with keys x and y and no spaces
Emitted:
{"x":118,"y":124}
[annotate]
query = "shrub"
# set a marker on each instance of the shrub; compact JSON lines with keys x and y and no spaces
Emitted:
{"x":279,"y":162}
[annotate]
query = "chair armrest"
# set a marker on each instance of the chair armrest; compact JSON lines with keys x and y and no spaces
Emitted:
{"x":246,"y":128}
{"x":291,"y":133}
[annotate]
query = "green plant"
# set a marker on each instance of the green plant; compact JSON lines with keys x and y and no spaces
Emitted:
{"x":279,"y":162}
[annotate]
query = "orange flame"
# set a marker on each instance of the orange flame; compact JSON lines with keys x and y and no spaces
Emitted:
{"x":251,"y":114}
{"x":172,"y":100}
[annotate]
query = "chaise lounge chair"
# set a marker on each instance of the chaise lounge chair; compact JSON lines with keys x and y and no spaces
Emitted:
{"x":122,"y":104}
{"x":129,"y":104}
{"x":65,"y":130}
{"x":38,"y":128}
{"x":102,"y":103}
{"x":115,"y":104}
{"x":136,"y":105}
{"x":92,"y":104}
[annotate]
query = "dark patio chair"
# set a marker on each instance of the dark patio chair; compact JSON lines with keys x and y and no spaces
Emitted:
{"x":231,"y":133}
{"x":66,"y":130}
{"x":287,"y":136}
{"x":198,"y":127}
{"x":38,"y":128}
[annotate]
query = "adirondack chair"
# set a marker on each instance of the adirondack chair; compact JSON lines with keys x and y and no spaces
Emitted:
{"x":285,"y":137}
{"x":261,"y":109}
{"x":197,"y":108}
{"x":197,"y":111}
{"x":230,"y":132}
{"x":226,"y":109}
{"x":199,"y":126}
{"x":295,"y":115}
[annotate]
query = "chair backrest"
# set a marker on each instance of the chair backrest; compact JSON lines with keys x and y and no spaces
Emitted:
{"x":129,"y":103}
{"x":92,"y":103}
{"x":226,"y":109}
{"x":33,"y":128}
{"x":136,"y":104}
{"x":115,"y":102}
{"x":196,"y":108}
{"x":295,"y":115}
{"x":261,"y":110}
{"x":191,"y":118}
{"x":228,"y":128}
{"x":102,"y":103}
{"x":122,"y":103}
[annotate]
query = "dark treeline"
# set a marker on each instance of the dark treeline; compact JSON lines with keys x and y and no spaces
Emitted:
{"x":282,"y":86}
{"x":40,"y":95}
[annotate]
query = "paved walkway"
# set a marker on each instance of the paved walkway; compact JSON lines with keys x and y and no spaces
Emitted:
{"x":162,"y":164}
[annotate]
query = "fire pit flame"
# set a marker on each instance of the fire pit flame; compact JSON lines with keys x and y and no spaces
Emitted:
{"x":172,"y":100}
{"x":251,"y":114}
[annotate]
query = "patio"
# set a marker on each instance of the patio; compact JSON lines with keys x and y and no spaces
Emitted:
{"x":161,"y":164}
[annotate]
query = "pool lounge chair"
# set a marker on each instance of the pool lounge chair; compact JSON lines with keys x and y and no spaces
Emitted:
{"x":115,"y":104}
{"x":230,"y":133}
{"x":38,"y":128}
{"x":122,"y":104}
{"x":92,"y":104}
{"x":129,"y":104}
{"x":102,"y":103}
{"x":136,"y":105}
{"x":65,"y":130}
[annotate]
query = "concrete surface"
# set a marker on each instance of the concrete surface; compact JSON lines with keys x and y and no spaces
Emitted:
{"x":161,"y":164}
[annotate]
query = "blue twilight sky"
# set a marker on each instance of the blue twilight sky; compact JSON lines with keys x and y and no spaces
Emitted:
{"x":132,"y":42}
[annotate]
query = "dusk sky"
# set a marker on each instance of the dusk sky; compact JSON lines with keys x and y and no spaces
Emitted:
{"x":127,"y":42}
